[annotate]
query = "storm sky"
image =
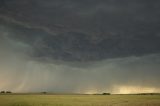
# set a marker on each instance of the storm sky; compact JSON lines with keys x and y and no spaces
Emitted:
{"x":80,"y":46}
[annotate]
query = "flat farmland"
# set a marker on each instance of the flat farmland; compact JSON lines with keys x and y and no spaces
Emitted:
{"x":79,"y":100}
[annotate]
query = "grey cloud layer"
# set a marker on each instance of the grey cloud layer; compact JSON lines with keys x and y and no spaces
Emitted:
{"x":79,"y":45}
{"x":87,"y":30}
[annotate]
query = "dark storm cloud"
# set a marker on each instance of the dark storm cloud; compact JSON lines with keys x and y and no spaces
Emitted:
{"x":79,"y":45}
{"x":86,"y":30}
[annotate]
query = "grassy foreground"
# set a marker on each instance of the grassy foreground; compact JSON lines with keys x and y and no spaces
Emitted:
{"x":79,"y":100}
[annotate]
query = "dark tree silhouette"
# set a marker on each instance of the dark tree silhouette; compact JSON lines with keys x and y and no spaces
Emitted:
{"x":106,"y":94}
{"x":2,"y":91}
{"x":8,"y":92}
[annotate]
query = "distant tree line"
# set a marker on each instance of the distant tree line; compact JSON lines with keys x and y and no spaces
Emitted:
{"x":103,"y":94}
{"x":44,"y":92}
{"x":148,"y":94}
{"x":106,"y":93}
{"x":4,"y":92}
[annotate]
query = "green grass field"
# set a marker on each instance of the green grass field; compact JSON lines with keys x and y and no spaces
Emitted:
{"x":79,"y":100}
